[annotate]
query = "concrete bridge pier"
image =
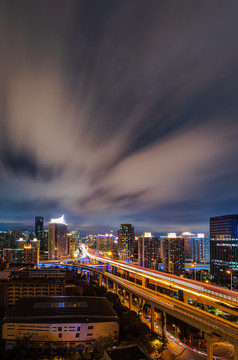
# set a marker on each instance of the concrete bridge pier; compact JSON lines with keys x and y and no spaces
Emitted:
{"x":152,"y":318}
{"x":116,"y":288}
{"x":130,"y":301}
{"x":164,"y":324}
{"x":139,"y":304}
{"x":211,"y":339}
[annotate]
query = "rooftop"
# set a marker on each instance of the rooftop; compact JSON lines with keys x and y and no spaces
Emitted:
{"x":61,"y":309}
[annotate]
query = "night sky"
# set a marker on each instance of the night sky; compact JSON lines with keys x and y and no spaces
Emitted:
{"x":118,"y":111}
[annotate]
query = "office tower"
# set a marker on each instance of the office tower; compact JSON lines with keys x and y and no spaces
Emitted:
{"x":186,"y":236}
{"x":44,"y":242}
{"x":224,"y":249}
{"x":149,"y":251}
{"x":126,"y":238}
{"x":57,"y":239}
{"x":39,"y":227}
{"x":173,"y":254}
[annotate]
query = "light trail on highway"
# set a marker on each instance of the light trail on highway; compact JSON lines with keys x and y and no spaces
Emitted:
{"x":209,"y":292}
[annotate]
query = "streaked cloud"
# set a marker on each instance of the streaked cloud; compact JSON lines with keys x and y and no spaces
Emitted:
{"x":118,"y":110}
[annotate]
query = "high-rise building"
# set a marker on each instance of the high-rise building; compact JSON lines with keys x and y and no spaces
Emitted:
{"x":126,"y":238}
{"x":39,"y":227}
{"x":197,"y":248}
{"x":106,"y":243}
{"x":173,"y":254}
{"x":57,"y":239}
{"x":12,"y":238}
{"x":149,"y":254}
{"x":206,"y":250}
{"x":224,"y":249}
{"x":186,"y":236}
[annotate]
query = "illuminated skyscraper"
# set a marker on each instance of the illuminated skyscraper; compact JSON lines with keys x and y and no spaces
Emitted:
{"x":57,"y":239}
{"x":199,"y":248}
{"x":126,"y":238}
{"x":149,"y":251}
{"x":39,"y":225}
{"x":173,"y":254}
{"x":224,"y":249}
{"x":186,"y":236}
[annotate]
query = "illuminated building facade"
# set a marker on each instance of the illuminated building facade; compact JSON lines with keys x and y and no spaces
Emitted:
{"x":126,"y":238}
{"x":186,"y":236}
{"x":224,"y":249}
{"x":106,"y":243}
{"x":57,"y":239}
{"x":173,"y":254}
{"x":199,"y":248}
{"x":22,"y":256}
{"x":149,"y":251}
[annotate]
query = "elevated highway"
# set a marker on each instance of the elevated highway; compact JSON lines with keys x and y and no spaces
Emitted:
{"x":206,"y":294}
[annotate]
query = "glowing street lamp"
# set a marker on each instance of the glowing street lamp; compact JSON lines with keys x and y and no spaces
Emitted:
{"x":195,"y":274}
{"x":230,"y":272}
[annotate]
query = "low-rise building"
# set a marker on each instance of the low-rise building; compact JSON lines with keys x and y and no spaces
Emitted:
{"x":60,"y":322}
{"x":43,"y":273}
{"x":13,"y":290}
{"x":22,"y":256}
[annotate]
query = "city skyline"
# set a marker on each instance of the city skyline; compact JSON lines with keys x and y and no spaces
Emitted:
{"x":118,"y":112}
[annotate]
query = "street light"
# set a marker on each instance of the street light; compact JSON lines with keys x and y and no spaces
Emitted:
{"x":175,"y":329}
{"x":195,"y":274}
{"x":230,"y":272}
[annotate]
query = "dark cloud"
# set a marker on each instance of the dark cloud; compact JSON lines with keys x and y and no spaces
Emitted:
{"x":117,"y":111}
